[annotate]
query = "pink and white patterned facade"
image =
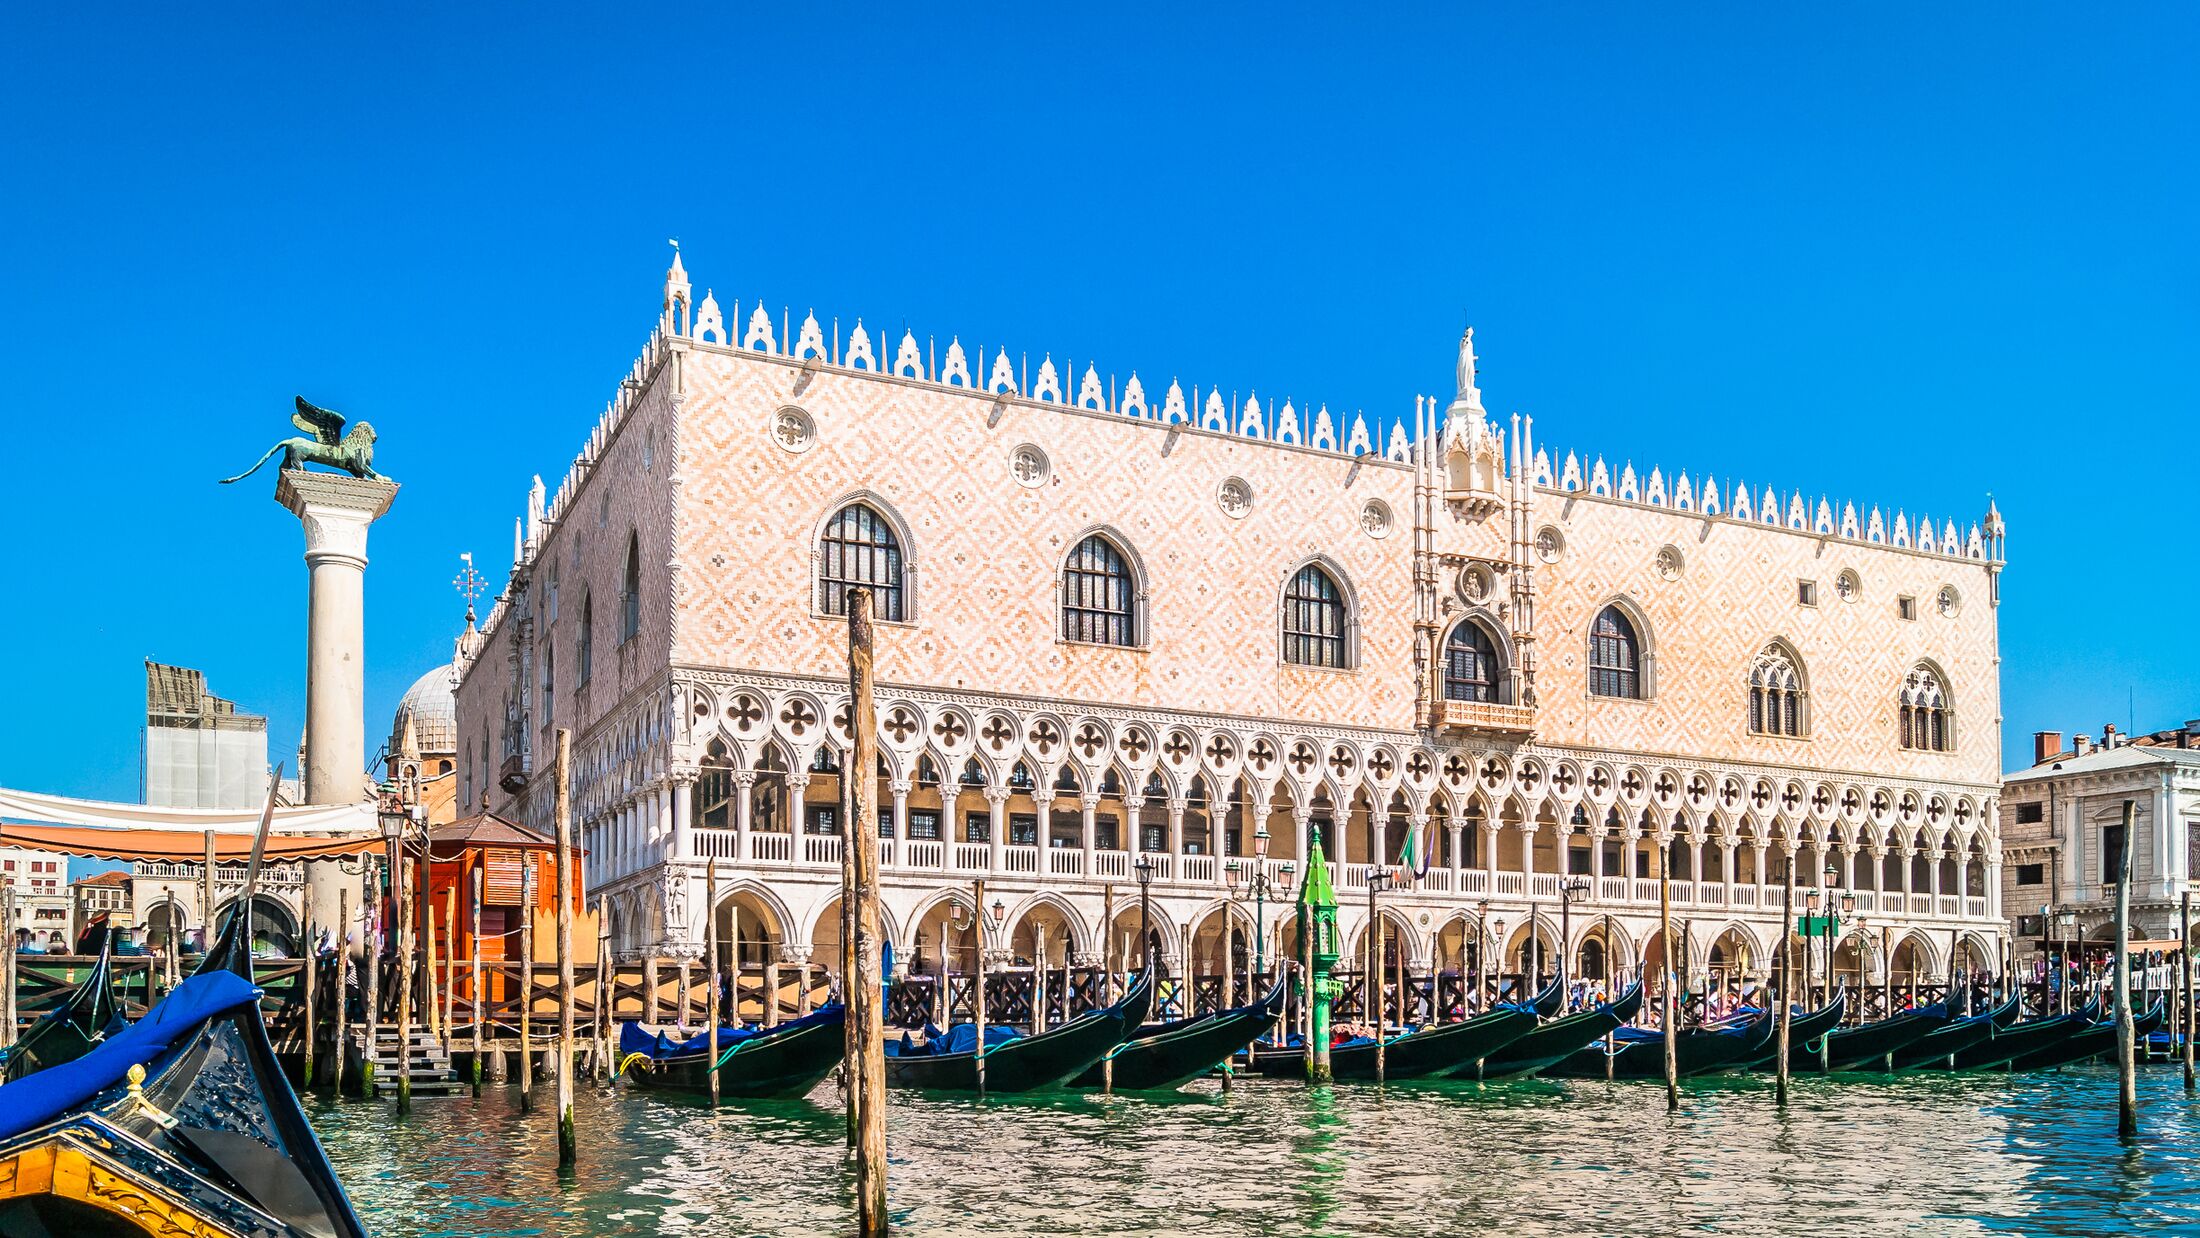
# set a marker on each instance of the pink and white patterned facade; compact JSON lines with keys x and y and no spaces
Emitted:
{"x":687,"y":540}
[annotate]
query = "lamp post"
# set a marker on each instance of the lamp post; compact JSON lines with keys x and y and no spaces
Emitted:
{"x":1378,"y":880}
{"x":1576,"y":886}
{"x":1145,"y":869}
{"x":1259,"y":884}
{"x":393,"y":815}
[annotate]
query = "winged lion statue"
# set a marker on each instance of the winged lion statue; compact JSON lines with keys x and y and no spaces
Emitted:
{"x":325,"y":442}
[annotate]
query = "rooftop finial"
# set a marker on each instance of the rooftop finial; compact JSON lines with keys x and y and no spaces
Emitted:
{"x":1466,"y":362}
{"x":469,"y":584}
{"x":1467,"y":405}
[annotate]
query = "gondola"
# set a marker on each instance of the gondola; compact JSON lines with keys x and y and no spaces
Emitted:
{"x":1867,"y":1046}
{"x":1639,"y":1053}
{"x":1553,"y":1041}
{"x":1945,"y":1042}
{"x":70,"y":1030}
{"x":2018,"y":1039}
{"x":1804,"y":1027}
{"x":1434,"y":1050}
{"x":1163,"y":1056}
{"x":2088,"y":1042}
{"x":1017,"y":1063}
{"x":181,"y":1123}
{"x":752,"y":1063}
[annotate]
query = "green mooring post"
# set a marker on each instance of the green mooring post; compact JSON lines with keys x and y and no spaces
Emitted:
{"x":1318,"y":914}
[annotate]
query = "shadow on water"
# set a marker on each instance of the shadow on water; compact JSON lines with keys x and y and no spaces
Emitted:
{"x":1851,"y":1155}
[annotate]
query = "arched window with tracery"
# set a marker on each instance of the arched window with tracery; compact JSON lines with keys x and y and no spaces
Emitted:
{"x":1615,"y":656}
{"x":859,"y":548}
{"x":1928,"y":724}
{"x":1473,"y":671}
{"x":1314,"y":619}
{"x":1099,"y":598}
{"x":1775,"y":695}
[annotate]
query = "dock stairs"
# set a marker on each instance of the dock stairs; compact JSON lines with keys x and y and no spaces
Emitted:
{"x":429,"y":1065}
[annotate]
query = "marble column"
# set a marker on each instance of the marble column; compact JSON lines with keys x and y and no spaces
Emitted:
{"x":334,"y":511}
{"x":683,"y":815}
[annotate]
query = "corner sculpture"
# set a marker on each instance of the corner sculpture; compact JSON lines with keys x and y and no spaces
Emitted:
{"x":352,"y":452}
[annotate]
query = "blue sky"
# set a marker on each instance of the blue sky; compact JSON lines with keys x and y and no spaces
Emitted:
{"x":1893,"y":258}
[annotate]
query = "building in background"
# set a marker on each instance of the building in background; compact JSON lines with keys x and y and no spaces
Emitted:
{"x":200,"y":751}
{"x":39,"y":880}
{"x":1122,"y":628}
{"x":2062,"y":824}
{"x":107,"y":893}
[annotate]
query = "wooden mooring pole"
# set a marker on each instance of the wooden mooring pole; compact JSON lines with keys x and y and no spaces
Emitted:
{"x":864,"y":982}
{"x":1107,"y":981}
{"x":1665,"y":987}
{"x":1787,"y":978}
{"x":606,"y":982}
{"x":450,"y":963}
{"x":474,"y":1004}
{"x":311,"y":967}
{"x":343,"y":996}
{"x":2184,"y":985}
{"x":710,"y":984}
{"x":568,"y":1148}
{"x":526,"y":1015}
{"x":7,"y":965}
{"x":977,"y":967}
{"x":2127,"y":1078}
{"x":401,"y":896}
{"x":370,"y":972}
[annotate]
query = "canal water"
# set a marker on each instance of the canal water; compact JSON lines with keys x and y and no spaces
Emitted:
{"x":1952,"y":1155}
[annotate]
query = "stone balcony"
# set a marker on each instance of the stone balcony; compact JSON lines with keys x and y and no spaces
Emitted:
{"x":1482,"y":718}
{"x":917,"y":860}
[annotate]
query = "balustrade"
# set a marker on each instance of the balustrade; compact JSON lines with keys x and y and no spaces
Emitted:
{"x":1023,"y":861}
{"x":1111,"y":863}
{"x":973,"y":857}
{"x":821,"y":849}
{"x":923,"y":853}
{"x":1199,"y":869}
{"x":1065,"y":862}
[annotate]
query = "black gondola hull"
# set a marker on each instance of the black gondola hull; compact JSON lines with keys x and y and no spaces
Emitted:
{"x":1802,"y":1029}
{"x":2089,"y":1042}
{"x":1030,"y":1063}
{"x":1168,"y":1059}
{"x":1440,"y":1049}
{"x":2012,"y":1042}
{"x":1867,"y":1045}
{"x":1696,"y":1051}
{"x":766,"y":1067}
{"x":1553,"y":1042}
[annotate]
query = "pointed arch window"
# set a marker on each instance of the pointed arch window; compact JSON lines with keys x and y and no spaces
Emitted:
{"x":1314,"y":618}
{"x":1928,"y":725}
{"x":1615,"y":656}
{"x":587,"y":639}
{"x":859,"y":548}
{"x":1775,"y":695}
{"x":630,"y":591}
{"x":1473,"y":671}
{"x":1099,"y":597}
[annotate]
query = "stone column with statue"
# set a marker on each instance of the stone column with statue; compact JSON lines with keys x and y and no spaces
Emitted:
{"x":335,"y":510}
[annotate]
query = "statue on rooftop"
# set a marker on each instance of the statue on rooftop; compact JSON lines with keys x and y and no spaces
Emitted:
{"x":325,"y":442}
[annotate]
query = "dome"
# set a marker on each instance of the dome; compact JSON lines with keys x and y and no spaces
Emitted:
{"x":430,"y":707}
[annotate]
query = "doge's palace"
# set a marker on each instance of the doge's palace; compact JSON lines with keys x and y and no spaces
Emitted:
{"x":1168,"y":627}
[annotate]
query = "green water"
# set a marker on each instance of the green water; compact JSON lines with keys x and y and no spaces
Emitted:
{"x":2033,"y":1154}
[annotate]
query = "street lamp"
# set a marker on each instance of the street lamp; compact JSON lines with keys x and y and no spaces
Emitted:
{"x":1260,"y":884}
{"x":1576,"y":886}
{"x":1145,"y":868}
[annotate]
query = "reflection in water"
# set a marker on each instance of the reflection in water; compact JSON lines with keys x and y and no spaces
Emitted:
{"x":1876,"y":1155}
